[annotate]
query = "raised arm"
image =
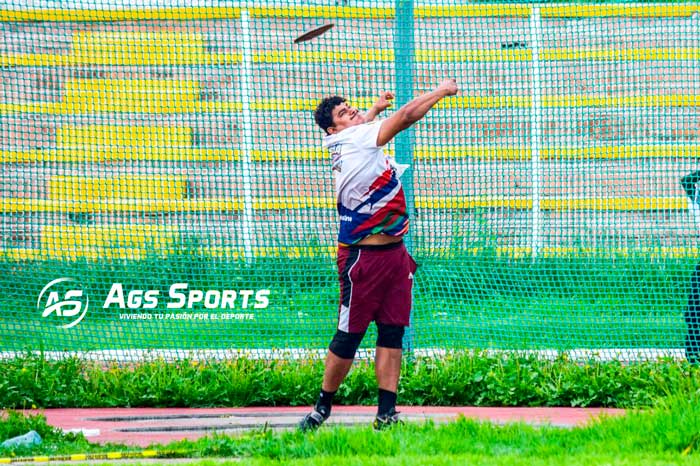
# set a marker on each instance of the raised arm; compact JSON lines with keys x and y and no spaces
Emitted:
{"x":689,"y":183}
{"x":382,"y":103}
{"x":414,"y":111}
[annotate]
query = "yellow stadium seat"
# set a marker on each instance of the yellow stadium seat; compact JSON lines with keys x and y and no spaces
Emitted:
{"x":140,"y":48}
{"x":131,"y":95}
{"x":115,"y":136}
{"x":107,"y":241}
{"x":81,"y":188}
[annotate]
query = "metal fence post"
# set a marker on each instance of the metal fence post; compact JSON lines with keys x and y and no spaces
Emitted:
{"x":404,"y":63}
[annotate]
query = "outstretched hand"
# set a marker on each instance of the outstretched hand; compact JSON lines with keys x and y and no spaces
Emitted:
{"x":384,"y":100}
{"x":449,"y":87}
{"x":382,"y":103}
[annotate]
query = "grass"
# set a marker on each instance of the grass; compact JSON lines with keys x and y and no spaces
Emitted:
{"x":666,"y":434}
{"x":458,"y":379}
{"x":671,"y":428}
{"x":54,"y":441}
{"x":460,"y":301}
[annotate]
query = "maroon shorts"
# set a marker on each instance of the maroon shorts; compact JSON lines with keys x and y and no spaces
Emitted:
{"x":375,"y":285}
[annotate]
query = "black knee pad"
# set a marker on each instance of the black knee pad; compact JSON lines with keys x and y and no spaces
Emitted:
{"x":390,"y":336}
{"x":344,"y":344}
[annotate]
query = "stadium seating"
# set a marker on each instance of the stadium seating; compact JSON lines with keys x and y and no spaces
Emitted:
{"x":161,"y":117}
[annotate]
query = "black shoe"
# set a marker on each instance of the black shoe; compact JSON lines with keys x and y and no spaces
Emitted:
{"x":314,"y":419}
{"x":386,"y":420}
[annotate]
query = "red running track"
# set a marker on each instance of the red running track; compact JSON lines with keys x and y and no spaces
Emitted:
{"x":146,"y":426}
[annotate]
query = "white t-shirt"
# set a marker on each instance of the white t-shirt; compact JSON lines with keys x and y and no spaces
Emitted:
{"x":369,"y":193}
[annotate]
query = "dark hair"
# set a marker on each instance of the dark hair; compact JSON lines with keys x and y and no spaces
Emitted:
{"x":324,"y":112}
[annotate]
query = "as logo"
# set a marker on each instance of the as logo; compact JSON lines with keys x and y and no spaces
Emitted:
{"x":64,"y":300}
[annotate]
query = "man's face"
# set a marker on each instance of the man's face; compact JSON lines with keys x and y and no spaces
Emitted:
{"x":345,"y":116}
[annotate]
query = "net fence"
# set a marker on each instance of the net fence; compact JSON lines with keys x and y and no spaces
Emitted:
{"x":164,"y":188}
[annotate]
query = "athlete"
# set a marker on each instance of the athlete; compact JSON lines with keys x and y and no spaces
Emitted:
{"x":375,"y":270}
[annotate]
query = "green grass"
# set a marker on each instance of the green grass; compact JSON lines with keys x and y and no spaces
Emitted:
{"x":460,"y":301}
{"x":460,"y":379}
{"x":670,"y":430}
{"x":666,"y":434}
{"x":452,"y":460}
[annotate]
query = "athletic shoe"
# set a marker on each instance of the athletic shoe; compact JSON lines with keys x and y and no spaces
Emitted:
{"x":386,"y":420}
{"x":314,"y":419}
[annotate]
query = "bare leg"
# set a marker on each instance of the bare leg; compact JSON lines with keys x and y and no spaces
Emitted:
{"x":387,"y":365}
{"x":334,"y":373}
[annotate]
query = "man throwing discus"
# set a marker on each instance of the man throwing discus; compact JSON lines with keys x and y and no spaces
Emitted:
{"x":375,"y":271}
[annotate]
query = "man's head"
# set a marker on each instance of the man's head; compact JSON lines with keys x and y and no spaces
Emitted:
{"x":334,"y":114}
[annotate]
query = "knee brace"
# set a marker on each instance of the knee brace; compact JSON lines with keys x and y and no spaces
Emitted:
{"x":344,"y":344}
{"x":390,"y":336}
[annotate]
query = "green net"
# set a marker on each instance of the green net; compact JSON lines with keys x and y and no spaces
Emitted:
{"x":164,"y":189}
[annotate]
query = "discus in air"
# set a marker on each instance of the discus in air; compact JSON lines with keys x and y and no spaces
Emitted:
{"x":312,"y":33}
